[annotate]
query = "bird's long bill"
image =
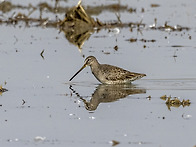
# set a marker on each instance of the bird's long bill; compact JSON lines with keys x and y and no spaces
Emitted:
{"x":79,"y":71}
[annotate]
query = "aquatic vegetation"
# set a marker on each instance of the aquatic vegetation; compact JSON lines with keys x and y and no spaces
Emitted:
{"x":175,"y":102}
{"x":78,"y":25}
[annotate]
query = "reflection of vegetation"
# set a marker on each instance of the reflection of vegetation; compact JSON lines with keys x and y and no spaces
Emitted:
{"x":77,"y":24}
{"x":175,"y":102}
{"x":6,"y":6}
{"x":109,"y":93}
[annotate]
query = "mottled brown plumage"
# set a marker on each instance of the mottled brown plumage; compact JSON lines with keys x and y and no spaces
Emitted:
{"x":109,"y":74}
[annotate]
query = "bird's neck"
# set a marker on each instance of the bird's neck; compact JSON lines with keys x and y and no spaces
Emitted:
{"x":95,"y":66}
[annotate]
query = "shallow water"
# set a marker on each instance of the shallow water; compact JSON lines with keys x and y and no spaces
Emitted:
{"x":41,"y":109}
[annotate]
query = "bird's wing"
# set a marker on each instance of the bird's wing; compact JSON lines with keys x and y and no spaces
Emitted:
{"x":115,"y":73}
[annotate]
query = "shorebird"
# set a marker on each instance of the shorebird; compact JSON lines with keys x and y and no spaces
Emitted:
{"x":109,"y":74}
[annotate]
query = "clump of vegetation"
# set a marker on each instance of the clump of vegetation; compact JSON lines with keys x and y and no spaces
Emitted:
{"x":175,"y":102}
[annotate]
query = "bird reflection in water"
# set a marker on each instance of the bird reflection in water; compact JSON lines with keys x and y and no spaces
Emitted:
{"x":105,"y":93}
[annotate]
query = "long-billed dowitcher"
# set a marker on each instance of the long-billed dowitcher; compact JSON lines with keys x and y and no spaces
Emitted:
{"x":109,"y":74}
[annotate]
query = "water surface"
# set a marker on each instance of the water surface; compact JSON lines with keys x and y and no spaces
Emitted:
{"x":41,"y":109}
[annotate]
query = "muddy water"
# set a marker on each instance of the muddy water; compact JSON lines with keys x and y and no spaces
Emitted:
{"x":42,"y":108}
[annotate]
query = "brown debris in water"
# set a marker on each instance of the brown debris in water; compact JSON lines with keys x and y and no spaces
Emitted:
{"x":116,"y":47}
{"x":2,"y":89}
{"x":175,"y":102}
{"x":155,"y":5}
{"x":41,"y":54}
{"x":170,"y":28}
{"x":164,"y":97}
{"x":23,"y":102}
{"x":142,"y":40}
{"x":133,"y":40}
{"x":149,"y":97}
{"x":114,"y":142}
